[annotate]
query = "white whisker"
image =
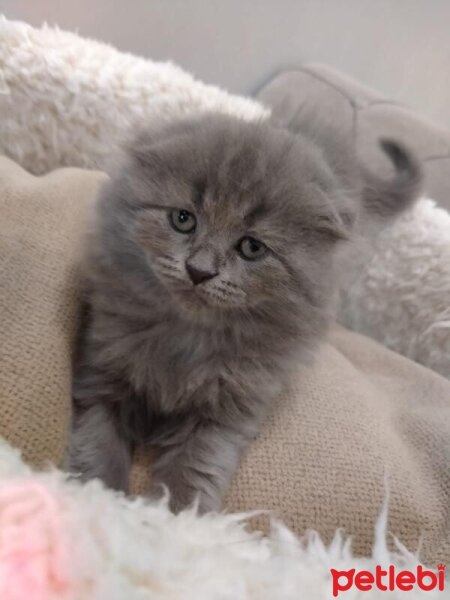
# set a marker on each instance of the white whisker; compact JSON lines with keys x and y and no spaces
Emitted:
{"x":230,"y":285}
{"x":222,"y":298}
{"x":232,"y":293}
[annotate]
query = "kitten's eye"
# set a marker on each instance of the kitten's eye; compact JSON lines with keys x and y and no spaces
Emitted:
{"x":251,"y":249}
{"x":183,"y":221}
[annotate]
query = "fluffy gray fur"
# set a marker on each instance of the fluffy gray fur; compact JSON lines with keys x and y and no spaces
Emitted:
{"x":185,"y":343}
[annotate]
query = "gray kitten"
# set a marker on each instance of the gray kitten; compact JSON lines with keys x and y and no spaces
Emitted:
{"x":209,"y":277}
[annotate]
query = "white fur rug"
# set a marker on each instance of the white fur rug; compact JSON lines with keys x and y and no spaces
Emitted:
{"x":64,"y":541}
{"x":65,"y":100}
{"x":69,"y":101}
{"x":402,"y":295}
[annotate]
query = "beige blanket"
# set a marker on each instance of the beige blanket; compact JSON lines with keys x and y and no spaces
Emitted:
{"x":359,"y":417}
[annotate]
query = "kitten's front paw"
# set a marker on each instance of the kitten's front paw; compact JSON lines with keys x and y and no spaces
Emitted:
{"x":207,"y":504}
{"x":181,"y":499}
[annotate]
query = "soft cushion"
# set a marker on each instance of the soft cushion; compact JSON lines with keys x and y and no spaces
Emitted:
{"x":358,"y":422}
{"x":402,"y":295}
{"x":69,"y":101}
{"x":364,"y":115}
{"x":41,"y":225}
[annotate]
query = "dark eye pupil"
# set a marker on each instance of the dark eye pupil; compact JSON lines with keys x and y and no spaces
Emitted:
{"x":182,"y":220}
{"x":251,"y":249}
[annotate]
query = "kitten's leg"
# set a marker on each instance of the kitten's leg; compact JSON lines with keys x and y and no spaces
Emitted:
{"x":98,"y":448}
{"x":98,"y":445}
{"x":198,"y":460}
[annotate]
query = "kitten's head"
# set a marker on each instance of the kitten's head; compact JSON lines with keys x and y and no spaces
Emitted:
{"x":233,"y":215}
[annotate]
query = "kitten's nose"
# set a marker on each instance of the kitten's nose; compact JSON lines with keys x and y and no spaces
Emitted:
{"x":199,"y":275}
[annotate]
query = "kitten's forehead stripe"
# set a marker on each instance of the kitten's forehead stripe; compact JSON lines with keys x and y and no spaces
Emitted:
{"x":198,"y":194}
{"x":255,"y":213}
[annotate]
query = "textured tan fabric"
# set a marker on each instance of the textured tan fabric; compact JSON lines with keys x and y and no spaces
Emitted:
{"x":360,"y":413}
{"x":41,"y":222}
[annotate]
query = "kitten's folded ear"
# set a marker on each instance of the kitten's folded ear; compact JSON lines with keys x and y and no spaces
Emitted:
{"x":386,"y":198}
{"x":148,"y":144}
{"x":145,"y":144}
{"x":336,"y":220}
{"x":337,"y":227}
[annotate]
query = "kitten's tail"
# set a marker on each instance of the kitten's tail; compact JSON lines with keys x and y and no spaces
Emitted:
{"x":387,"y":197}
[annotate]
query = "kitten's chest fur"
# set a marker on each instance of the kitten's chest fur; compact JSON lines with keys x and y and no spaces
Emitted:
{"x":175,"y":364}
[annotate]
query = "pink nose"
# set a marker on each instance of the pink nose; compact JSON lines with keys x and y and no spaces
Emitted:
{"x":199,"y":275}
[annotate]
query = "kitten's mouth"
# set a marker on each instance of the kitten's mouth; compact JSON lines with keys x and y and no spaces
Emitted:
{"x":220,"y":296}
{"x":201,"y":300}
{"x":195,"y":304}
{"x":191,"y":296}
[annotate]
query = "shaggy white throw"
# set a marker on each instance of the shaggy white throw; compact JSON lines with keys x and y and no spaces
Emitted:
{"x":64,"y":541}
{"x":402,"y":295}
{"x":69,"y":101}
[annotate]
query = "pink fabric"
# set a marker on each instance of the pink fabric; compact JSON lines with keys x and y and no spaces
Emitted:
{"x":33,"y":558}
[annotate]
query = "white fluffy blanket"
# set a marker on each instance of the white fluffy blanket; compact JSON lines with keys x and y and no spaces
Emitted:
{"x":69,"y":101}
{"x":60,"y":540}
{"x":402,"y":295}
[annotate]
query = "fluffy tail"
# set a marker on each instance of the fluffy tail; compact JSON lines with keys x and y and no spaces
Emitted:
{"x":386,"y":198}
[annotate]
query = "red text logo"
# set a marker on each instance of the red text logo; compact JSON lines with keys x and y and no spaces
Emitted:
{"x":388,"y":579}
